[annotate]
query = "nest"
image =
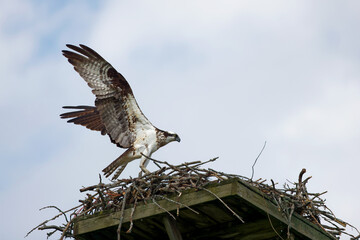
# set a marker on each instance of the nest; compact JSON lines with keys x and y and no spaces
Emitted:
{"x":174,"y":179}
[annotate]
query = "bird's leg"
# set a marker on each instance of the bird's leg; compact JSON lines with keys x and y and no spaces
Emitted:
{"x":142,"y":170}
{"x":143,"y":163}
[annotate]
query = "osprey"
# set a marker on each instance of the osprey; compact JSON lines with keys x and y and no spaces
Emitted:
{"x":116,"y":112}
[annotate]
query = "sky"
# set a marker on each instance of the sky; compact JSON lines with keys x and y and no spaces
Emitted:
{"x":226,"y":76}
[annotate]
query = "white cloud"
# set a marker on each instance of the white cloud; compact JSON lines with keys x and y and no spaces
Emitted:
{"x":332,"y":118}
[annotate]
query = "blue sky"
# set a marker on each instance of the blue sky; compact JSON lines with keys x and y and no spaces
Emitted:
{"x":225,"y":77}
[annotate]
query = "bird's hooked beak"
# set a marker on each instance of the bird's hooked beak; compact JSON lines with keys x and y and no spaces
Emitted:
{"x":177,"y":138}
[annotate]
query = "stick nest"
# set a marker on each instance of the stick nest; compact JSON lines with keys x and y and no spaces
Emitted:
{"x":170,"y":179}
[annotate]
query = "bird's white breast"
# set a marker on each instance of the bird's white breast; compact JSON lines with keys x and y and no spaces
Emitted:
{"x":146,"y":140}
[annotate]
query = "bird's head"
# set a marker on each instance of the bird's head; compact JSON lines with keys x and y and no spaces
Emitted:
{"x":170,"y":137}
{"x":173,"y":137}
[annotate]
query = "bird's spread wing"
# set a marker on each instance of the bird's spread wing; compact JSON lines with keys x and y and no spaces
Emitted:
{"x":115,"y":102}
{"x":86,"y":116}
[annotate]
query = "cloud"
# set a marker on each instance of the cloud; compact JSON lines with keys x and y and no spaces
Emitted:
{"x":332,"y":118}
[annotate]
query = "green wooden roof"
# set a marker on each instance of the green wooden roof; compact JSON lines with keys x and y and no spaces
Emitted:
{"x":262,"y":219}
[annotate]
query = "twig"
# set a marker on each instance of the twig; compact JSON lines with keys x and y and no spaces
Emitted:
{"x":46,"y":221}
{"x":253,"y":170}
{"x":202,"y":163}
{"x":234,"y":213}
{"x":176,"y":202}
{"x":163,"y":208}
{"x":122,"y":214}
{"x":131,"y":217}
{"x":63,"y":213}
{"x":273,"y":226}
{"x":71,"y":221}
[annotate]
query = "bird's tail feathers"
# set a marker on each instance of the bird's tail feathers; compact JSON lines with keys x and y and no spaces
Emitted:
{"x":118,"y":172}
{"x":118,"y":164}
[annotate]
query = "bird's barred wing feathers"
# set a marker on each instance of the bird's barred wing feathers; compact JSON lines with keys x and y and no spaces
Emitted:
{"x":86,"y":116}
{"x":101,"y":77}
{"x":115,"y":102}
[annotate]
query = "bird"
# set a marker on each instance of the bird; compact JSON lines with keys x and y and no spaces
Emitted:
{"x":116,"y":112}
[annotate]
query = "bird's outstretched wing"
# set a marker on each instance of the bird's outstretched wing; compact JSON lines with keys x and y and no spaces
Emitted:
{"x":115,"y":102}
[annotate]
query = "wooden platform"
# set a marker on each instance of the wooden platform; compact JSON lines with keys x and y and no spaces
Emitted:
{"x":262,"y":218}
